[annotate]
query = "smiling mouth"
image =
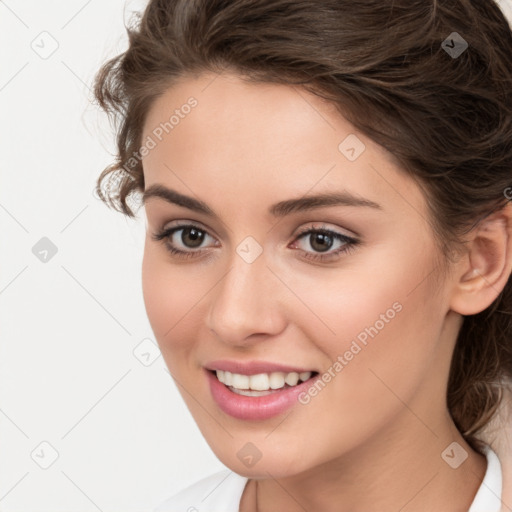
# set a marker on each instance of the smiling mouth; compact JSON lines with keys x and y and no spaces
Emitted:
{"x":261,"y":384}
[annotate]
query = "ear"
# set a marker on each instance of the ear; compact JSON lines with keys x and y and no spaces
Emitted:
{"x":483,"y":271}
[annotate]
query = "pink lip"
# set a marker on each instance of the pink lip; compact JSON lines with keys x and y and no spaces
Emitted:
{"x":255,"y":407}
{"x":253,"y":367}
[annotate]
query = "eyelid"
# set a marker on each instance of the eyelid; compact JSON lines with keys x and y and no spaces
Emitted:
{"x":324,"y":226}
{"x":184,"y":223}
{"x":320,"y":226}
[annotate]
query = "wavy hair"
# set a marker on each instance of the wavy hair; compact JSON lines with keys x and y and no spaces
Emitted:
{"x":389,"y":67}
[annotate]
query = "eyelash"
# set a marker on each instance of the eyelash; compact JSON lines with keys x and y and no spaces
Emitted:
{"x":349,"y":242}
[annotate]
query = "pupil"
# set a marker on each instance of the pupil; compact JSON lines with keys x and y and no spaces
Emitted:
{"x":194,"y":235}
{"x":322,"y":238}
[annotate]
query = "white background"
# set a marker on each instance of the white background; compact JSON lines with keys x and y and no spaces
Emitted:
{"x":69,"y":326}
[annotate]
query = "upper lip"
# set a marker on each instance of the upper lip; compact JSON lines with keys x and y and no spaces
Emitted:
{"x":253,"y":367}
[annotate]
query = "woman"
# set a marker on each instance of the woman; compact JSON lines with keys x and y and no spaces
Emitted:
{"x":327,"y":265}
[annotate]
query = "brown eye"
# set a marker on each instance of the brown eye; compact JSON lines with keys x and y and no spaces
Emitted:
{"x":320,"y":241}
{"x":188,"y":244}
{"x":192,"y":237}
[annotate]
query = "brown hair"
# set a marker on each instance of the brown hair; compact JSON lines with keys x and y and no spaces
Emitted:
{"x":446,"y":118}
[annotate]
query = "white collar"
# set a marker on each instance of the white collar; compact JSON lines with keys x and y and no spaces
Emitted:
{"x":488,"y":496}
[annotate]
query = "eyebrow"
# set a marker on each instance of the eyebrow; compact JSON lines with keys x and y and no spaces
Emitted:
{"x":280,"y":209}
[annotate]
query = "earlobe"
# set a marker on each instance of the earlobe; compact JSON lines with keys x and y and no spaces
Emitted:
{"x":486,"y":267}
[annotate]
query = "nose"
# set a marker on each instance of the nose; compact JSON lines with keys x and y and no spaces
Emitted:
{"x":246,"y":303}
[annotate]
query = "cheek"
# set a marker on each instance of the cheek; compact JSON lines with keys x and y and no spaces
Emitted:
{"x":377,"y":321}
{"x":385,"y":360}
{"x":171,"y":298}
{"x":366,"y":299}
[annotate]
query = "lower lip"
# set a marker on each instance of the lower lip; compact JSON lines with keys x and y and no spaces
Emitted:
{"x":255,"y":407}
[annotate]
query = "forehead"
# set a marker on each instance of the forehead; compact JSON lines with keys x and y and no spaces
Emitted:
{"x":275,"y":141}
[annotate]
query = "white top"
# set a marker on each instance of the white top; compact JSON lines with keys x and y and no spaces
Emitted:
{"x":222,"y":492}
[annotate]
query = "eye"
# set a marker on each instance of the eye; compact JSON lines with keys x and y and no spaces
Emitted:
{"x":192,"y":237}
{"x":322,"y":239}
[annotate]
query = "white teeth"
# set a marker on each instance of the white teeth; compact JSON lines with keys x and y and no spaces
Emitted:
{"x":261,"y":381}
{"x":250,"y":392}
{"x":276,"y":380}
{"x":292,"y":378}
{"x":304,"y":376}
{"x":239,"y":381}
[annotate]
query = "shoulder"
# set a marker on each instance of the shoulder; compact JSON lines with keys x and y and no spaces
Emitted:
{"x":219,"y":492}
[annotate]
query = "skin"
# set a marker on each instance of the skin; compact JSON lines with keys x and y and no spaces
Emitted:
{"x":373,"y":437}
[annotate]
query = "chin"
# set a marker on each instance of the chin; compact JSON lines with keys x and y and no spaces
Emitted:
{"x":275,"y":465}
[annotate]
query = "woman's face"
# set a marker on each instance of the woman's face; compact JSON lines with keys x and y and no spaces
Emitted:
{"x":251,"y":295}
